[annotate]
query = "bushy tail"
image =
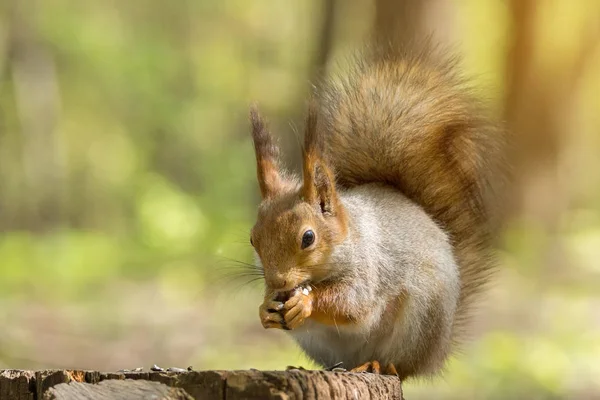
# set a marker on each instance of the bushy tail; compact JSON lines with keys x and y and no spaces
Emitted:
{"x":408,"y":119}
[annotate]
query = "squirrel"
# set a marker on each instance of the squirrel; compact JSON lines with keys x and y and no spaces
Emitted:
{"x":376,"y":255}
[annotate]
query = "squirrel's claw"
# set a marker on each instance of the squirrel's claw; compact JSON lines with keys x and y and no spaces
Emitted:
{"x":375,"y":368}
{"x":371,"y":366}
{"x":271,"y":320}
{"x":270,"y":315}
{"x":390,"y":369}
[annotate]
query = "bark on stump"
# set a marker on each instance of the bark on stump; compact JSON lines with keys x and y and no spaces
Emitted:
{"x":206,"y":385}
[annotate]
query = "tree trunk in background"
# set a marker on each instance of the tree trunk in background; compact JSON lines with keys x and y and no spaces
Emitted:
{"x":530,"y":111}
{"x":317,"y":69}
{"x":538,"y":109}
{"x":325,"y":39}
{"x":403,"y":21}
{"x":398,"y":20}
{"x":37,"y":101}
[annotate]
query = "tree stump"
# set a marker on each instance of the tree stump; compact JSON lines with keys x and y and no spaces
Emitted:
{"x":206,"y":385}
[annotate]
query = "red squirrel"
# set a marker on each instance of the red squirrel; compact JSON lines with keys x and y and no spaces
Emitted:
{"x":375,"y":255}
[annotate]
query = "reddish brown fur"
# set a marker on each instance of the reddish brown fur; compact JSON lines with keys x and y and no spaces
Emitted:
{"x":327,"y":309}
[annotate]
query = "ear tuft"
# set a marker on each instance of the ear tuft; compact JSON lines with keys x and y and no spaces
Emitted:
{"x":264,"y":144}
{"x":319,"y":182}
{"x":267,"y":156}
{"x":313,"y":142}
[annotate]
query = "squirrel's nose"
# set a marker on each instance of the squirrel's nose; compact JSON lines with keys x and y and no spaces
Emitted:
{"x":276,"y":281}
{"x":277,"y":284}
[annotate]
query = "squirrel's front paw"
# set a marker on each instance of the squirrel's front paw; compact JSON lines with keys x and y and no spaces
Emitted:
{"x":297,"y":308}
{"x":270,"y":312}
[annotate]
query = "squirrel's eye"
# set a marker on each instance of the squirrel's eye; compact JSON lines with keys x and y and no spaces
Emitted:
{"x":308,"y":238}
{"x":251,"y":241}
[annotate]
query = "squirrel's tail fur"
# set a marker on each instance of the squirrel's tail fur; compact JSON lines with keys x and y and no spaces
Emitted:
{"x":408,"y":118}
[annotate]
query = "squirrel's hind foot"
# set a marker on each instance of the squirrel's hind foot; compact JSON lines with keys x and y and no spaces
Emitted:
{"x":375,"y":368}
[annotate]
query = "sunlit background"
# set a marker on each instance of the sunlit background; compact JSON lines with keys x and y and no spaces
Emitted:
{"x":127,"y":185}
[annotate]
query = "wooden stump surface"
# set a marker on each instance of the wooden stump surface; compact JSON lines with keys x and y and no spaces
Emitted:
{"x":206,"y":385}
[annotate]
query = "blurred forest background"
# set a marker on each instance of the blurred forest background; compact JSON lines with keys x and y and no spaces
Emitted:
{"x":127,"y":179}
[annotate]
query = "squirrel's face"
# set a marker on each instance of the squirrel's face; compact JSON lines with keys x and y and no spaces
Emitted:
{"x":293,"y":240}
{"x":297,"y":225}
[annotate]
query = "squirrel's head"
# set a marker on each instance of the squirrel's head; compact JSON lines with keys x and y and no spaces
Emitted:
{"x":298,"y":224}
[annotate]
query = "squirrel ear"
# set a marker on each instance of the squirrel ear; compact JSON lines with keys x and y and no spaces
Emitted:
{"x":319,"y":182}
{"x":319,"y":189}
{"x":267,"y":155}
